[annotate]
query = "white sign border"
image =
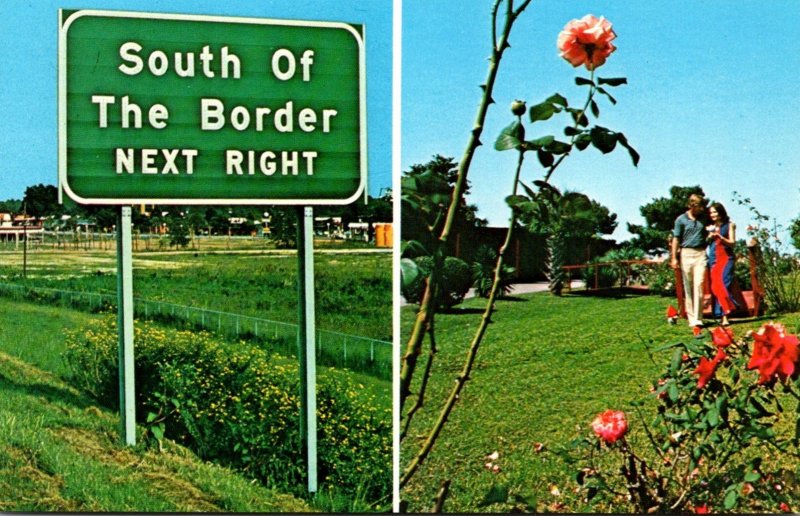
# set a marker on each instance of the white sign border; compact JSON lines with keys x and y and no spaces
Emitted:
{"x":62,"y":108}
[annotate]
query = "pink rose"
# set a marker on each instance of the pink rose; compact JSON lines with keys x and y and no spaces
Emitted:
{"x":587,"y":41}
{"x":610,"y":425}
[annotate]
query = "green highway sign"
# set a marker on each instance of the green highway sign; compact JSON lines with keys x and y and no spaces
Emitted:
{"x":182,"y":109}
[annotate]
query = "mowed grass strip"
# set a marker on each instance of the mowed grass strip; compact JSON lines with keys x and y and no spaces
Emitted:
{"x":59,"y":452}
{"x":546,"y":368}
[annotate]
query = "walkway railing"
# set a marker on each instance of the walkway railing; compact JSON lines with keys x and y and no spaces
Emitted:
{"x":362,"y":354}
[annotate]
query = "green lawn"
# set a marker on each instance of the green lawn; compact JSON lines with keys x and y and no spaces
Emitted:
{"x":546,"y":368}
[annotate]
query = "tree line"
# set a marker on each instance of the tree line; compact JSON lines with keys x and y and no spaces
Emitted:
{"x":41,"y":201}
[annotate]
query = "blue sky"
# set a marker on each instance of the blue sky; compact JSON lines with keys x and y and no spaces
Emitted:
{"x":28,"y":56}
{"x":711,"y":99}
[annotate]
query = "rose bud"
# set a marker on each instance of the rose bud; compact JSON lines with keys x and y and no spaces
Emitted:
{"x":518,"y":107}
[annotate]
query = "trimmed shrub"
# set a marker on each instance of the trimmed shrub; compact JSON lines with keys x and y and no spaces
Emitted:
{"x":239,"y":406}
{"x":456,"y":281}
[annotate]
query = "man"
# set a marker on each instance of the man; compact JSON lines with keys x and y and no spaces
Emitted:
{"x":690,"y":235}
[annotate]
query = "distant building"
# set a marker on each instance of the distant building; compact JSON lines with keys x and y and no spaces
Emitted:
{"x":19,"y":227}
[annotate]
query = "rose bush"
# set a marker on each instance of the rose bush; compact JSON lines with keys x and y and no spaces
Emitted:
{"x":718,"y":413}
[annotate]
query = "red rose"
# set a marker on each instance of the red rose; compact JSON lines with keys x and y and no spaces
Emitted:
{"x":587,"y":41}
{"x":610,"y":425}
{"x":701,"y":509}
{"x":722,"y":337}
{"x":706,"y":368}
{"x":775,"y":353}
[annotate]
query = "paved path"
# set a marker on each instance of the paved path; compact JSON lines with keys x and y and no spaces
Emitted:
{"x":519,"y":288}
{"x":529,"y":288}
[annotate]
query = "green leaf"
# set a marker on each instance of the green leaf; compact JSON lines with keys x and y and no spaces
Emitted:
{"x":713,"y":417}
{"x":752,"y":476}
{"x":722,"y":406}
{"x":572,"y":131}
{"x":603,"y":139}
{"x":607,"y":94}
{"x":583,"y":141}
{"x":413,"y":248}
{"x":579,"y":117}
{"x":797,"y":430}
{"x":543,"y":141}
{"x":510,"y":137}
{"x":545,"y":158}
{"x":559,"y":147}
{"x":409,"y":272}
{"x":731,"y":498}
{"x":516,"y":200}
{"x":557,"y":99}
{"x":675,"y":362}
{"x":673,"y":392}
{"x":158,"y":431}
{"x":531,"y":193}
{"x":756,"y":409}
{"x":667,"y":346}
{"x":151,"y":416}
{"x":624,"y":142}
{"x":595,"y":109}
{"x":616,"y":81}
{"x":582,"y":81}
{"x":543,"y":111}
{"x":497,"y":494}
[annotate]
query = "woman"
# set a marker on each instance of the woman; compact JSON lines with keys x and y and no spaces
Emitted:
{"x":721,"y":261}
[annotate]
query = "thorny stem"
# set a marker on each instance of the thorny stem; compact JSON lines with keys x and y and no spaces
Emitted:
{"x":423,"y":387}
{"x":463,"y":377}
{"x":426,"y":312}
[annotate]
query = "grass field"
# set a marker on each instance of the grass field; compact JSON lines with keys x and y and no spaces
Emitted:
{"x":546,"y":368}
{"x":353,"y":289}
{"x":59,"y":451}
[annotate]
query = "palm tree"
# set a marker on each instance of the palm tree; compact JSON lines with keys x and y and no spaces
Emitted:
{"x":559,"y":218}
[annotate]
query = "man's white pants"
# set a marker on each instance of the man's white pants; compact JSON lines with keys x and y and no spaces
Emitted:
{"x":693,"y":270}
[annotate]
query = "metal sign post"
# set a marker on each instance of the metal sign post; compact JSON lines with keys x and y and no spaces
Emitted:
{"x":305,"y":341}
{"x":127,"y":398}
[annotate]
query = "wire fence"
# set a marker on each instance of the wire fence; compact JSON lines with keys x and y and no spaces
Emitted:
{"x":362,"y":354}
